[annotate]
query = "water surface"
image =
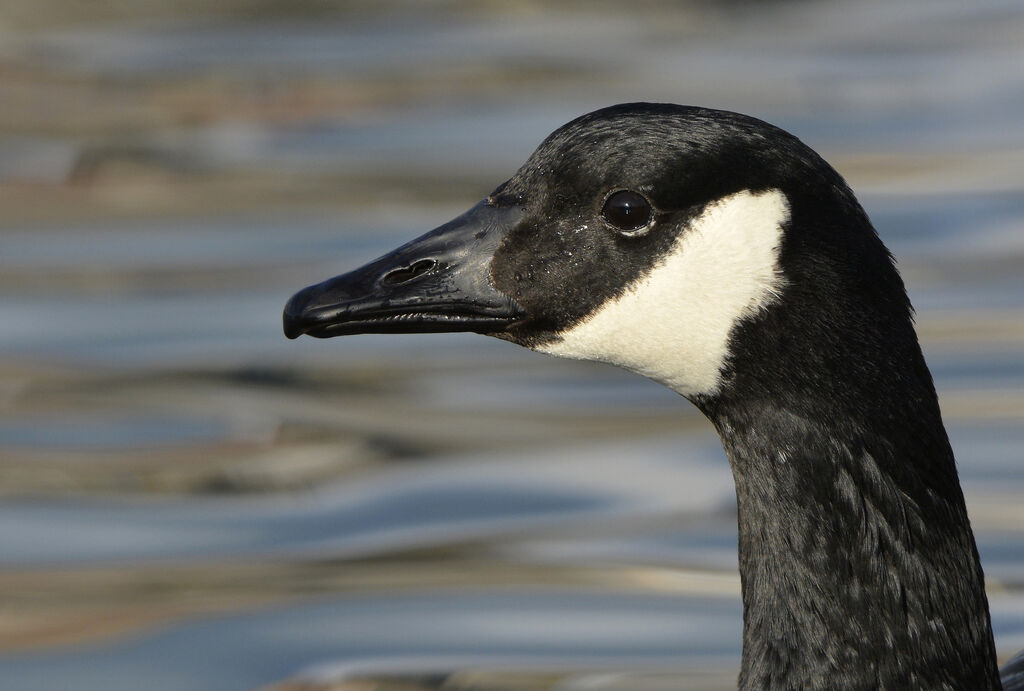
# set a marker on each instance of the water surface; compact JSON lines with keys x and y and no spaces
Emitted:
{"x":190,"y":501}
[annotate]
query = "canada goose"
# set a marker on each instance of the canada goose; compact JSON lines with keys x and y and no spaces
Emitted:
{"x":721,"y":256}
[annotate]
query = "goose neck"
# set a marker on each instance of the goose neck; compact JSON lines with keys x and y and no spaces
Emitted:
{"x":858,"y":564}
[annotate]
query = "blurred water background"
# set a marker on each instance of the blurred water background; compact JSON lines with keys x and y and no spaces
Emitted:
{"x":189,"y":501}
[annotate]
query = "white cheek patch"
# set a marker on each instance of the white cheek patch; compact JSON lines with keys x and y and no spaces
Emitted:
{"x":673,"y":324}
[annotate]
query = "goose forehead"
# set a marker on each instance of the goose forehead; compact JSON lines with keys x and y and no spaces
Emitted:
{"x":673,"y":322}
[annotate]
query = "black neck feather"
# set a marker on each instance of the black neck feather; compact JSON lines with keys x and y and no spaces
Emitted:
{"x":858,"y":563}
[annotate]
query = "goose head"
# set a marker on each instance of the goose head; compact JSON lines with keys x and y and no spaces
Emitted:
{"x":686,"y":244}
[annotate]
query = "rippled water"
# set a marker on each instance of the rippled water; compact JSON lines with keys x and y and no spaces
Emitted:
{"x":423,"y":504}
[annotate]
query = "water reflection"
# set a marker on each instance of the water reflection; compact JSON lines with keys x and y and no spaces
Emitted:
{"x":192,"y":501}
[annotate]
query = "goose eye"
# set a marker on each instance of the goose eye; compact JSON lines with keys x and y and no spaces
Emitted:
{"x":626,"y":210}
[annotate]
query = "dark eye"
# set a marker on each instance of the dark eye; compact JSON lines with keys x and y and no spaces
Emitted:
{"x":627,"y":211}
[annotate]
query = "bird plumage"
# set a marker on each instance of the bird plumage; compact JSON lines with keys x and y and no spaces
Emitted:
{"x":739,"y":269}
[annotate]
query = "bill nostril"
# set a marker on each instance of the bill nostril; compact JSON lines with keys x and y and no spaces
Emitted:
{"x":405,"y":274}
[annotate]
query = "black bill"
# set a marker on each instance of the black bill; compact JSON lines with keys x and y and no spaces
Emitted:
{"x":440,"y":281}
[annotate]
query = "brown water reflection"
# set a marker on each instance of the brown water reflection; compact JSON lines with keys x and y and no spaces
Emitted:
{"x":183,"y":490}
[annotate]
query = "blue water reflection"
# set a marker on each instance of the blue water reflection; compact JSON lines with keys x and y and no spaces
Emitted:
{"x":139,"y":335}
